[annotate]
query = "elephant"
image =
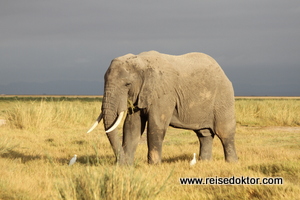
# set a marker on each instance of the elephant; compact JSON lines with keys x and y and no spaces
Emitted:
{"x":188,"y":91}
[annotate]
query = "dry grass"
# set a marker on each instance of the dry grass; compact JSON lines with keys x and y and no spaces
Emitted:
{"x":34,"y":157}
{"x":45,"y":115}
{"x":271,"y":112}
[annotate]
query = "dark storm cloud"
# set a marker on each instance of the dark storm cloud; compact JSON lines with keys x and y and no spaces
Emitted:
{"x":256,"y":42}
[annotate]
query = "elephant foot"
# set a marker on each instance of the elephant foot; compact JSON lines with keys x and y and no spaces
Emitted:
{"x":231,"y":157}
{"x":229,"y":150}
{"x":154,"y":157}
{"x":232,"y":160}
{"x":153,"y":163}
{"x":205,"y":158}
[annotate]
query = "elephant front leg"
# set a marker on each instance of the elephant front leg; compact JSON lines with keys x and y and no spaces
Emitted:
{"x":133,"y":128}
{"x":159,"y":118}
{"x":157,"y":127}
{"x":154,"y":141}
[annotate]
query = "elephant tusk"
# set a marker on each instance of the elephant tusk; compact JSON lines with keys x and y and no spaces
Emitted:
{"x":116,"y":124}
{"x":96,"y":123}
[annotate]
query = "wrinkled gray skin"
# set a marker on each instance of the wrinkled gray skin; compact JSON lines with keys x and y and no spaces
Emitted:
{"x":188,"y":91}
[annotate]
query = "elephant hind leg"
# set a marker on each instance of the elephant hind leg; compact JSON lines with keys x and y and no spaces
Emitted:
{"x":226,"y":132}
{"x":229,"y":149}
{"x":205,"y":137}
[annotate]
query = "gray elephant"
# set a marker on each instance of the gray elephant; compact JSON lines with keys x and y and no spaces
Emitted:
{"x":189,"y":91}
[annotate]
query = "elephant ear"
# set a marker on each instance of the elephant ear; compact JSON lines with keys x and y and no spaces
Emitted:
{"x":151,"y":88}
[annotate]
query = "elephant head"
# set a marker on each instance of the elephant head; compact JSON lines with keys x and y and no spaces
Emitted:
{"x":127,"y":88}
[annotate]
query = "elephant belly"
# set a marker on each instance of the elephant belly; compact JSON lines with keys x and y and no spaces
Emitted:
{"x":193,"y":115}
{"x":176,"y":122}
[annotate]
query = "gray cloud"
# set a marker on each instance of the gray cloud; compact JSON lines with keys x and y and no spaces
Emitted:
{"x":256,"y":42}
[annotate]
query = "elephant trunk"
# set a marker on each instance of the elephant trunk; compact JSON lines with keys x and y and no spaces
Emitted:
{"x":110,"y":109}
{"x":116,"y":146}
{"x":113,"y":136}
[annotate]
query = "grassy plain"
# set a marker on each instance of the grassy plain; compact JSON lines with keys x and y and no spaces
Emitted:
{"x":41,"y":136}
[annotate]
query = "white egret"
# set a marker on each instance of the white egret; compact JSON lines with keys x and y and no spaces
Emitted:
{"x":194,"y":160}
{"x":73,"y":160}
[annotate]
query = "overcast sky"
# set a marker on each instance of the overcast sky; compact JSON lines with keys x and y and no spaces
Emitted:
{"x":256,"y":42}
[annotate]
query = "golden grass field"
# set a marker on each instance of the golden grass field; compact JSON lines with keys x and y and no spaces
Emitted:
{"x":41,"y":136}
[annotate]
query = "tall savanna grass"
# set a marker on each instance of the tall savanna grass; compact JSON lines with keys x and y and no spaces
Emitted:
{"x":109,"y":183}
{"x":48,"y":115}
{"x":41,"y":136}
{"x":270,"y":112}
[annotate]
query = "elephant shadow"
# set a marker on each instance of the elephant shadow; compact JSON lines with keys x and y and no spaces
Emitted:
{"x":180,"y":158}
{"x":94,"y":160}
{"x":12,"y":154}
{"x":91,"y":160}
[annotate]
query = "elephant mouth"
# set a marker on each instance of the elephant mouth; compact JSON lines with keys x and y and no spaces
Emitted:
{"x":131,"y":108}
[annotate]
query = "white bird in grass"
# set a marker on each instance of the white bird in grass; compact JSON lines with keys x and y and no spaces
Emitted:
{"x":194,"y":160}
{"x":73,"y":160}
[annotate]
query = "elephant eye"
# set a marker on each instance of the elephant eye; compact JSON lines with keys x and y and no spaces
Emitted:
{"x":127,"y":84}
